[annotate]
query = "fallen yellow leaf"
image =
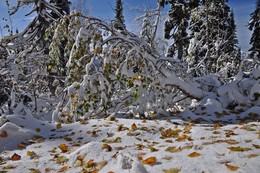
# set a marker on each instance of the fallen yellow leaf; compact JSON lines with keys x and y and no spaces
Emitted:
{"x":239,"y":149}
{"x":32,"y":170}
{"x":172,"y":170}
{"x":58,"y":126}
{"x":133,"y":127}
{"x":173,"y":149}
{"x":30,"y":153}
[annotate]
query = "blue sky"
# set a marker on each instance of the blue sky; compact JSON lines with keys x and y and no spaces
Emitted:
{"x":134,"y":8}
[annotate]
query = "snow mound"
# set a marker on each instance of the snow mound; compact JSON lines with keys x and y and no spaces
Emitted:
{"x":123,"y":161}
{"x":89,"y":151}
{"x":15,"y":135}
{"x":255,"y":110}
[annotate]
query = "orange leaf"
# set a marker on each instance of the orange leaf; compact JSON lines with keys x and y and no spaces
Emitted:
{"x":64,"y":168}
{"x":3,"y":134}
{"x":91,"y":163}
{"x":194,"y":154}
{"x":64,"y":148}
{"x":149,"y":161}
{"x":231,"y":167}
{"x":182,"y":138}
{"x":133,"y":127}
{"x":15,"y":157}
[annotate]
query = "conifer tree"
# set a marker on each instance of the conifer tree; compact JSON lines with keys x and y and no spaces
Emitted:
{"x":119,"y":18}
{"x":176,"y":27}
{"x":254,"y":25}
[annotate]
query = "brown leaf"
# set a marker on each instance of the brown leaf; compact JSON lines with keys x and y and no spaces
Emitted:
{"x":149,"y":161}
{"x":3,"y":134}
{"x":21,"y":146}
{"x":172,"y":170}
{"x":231,"y":167}
{"x":63,"y":147}
{"x":66,"y":138}
{"x":252,"y":155}
{"x":256,"y":146}
{"x":15,"y":157}
{"x":38,"y":130}
{"x":106,"y":147}
{"x":194,"y":154}
{"x":58,"y":126}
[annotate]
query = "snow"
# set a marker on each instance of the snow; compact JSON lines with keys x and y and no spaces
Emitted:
{"x":132,"y":141}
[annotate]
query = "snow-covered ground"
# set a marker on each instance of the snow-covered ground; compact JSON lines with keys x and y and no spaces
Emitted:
{"x":219,"y":143}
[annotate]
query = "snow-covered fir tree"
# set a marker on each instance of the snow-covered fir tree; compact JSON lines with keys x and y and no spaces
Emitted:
{"x":213,"y":37}
{"x":119,"y":22}
{"x":176,"y":27}
{"x":254,"y":25}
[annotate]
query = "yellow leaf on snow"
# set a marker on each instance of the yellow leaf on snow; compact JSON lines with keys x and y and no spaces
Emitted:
{"x":172,"y":170}
{"x":100,"y":165}
{"x":32,"y":170}
{"x":149,"y":161}
{"x":194,"y":154}
{"x":169,"y":133}
{"x":58,"y":126}
{"x":21,"y":146}
{"x":239,"y":149}
{"x":133,"y":127}
{"x":173,"y":149}
{"x":64,"y":148}
{"x":38,"y":130}
{"x":231,"y":167}
{"x":30,"y":153}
